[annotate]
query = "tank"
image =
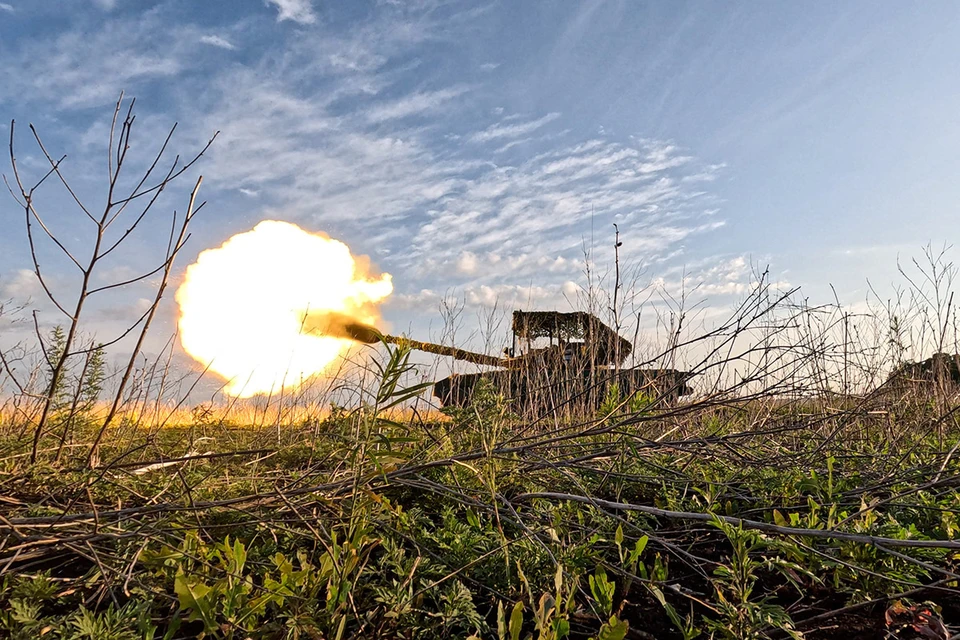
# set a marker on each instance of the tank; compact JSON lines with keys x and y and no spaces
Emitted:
{"x":556,"y":359}
{"x":580,"y":362}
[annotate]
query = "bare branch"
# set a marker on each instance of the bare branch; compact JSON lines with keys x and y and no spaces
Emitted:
{"x":177,"y":174}
{"x":126,"y":282}
{"x":147,"y":174}
{"x":56,"y":168}
{"x":740,"y":522}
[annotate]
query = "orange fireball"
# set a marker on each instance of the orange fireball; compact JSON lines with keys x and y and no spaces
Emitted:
{"x":244,"y":306}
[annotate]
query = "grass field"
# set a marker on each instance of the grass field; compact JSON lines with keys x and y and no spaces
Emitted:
{"x":767,"y":517}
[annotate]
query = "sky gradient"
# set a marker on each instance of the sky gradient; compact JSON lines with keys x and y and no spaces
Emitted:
{"x":476,"y":150}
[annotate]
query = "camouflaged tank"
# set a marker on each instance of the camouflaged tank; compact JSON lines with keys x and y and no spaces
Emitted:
{"x":558,"y":359}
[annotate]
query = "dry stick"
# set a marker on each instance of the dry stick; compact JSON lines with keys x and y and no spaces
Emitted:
{"x":320,"y":488}
{"x":684,"y":555}
{"x":9,"y":369}
{"x":937,"y":482}
{"x":856,"y":567}
{"x":58,"y":368}
{"x":205,"y":456}
{"x":921,"y":563}
{"x":740,"y":522}
{"x":946,"y":461}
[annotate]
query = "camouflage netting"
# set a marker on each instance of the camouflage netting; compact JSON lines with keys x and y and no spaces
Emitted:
{"x":942,"y":367}
{"x":576,"y":325}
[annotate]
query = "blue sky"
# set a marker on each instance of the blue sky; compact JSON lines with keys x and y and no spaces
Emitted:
{"x":473,"y":149}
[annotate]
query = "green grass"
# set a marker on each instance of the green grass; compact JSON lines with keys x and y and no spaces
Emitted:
{"x":368,"y":525}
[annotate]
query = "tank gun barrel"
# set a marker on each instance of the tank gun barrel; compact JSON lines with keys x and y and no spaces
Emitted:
{"x":342,"y":326}
{"x":443,"y":350}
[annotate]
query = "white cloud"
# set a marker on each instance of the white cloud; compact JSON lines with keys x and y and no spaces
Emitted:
{"x":106,"y":5}
{"x":414,"y":104}
{"x":218,"y":41}
{"x":489,"y":66}
{"x":467,"y":263}
{"x":117,"y":273}
{"x":715,"y":277}
{"x":296,"y":10}
{"x":23,"y":285}
{"x":541,"y":139}
{"x":492,"y":266}
{"x":516,"y":296}
{"x":250,"y":193}
{"x":512,"y":144}
{"x":421,"y":299}
{"x":80,"y":68}
{"x":497,"y":131}
{"x":355,"y":59}
{"x":503,"y":296}
{"x":554,"y":196}
{"x":315,"y":165}
{"x":6,"y":7}
{"x":125,"y":312}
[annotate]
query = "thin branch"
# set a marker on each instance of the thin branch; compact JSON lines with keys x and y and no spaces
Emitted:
{"x":56,"y":168}
{"x":36,"y":216}
{"x":27,"y":207}
{"x":740,"y":522}
{"x":180,"y":172}
{"x":140,"y":217}
{"x":113,"y":128}
{"x":126,"y":282}
{"x":110,"y":343}
{"x":147,"y":174}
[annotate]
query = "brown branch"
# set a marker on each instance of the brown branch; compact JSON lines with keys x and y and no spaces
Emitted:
{"x":740,"y":522}
{"x":56,"y":168}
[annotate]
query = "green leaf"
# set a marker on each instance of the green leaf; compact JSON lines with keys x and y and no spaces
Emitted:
{"x":407,"y":393}
{"x":671,"y":612}
{"x":195,"y":598}
{"x":239,"y":557}
{"x":501,"y":621}
{"x":614,"y":629}
{"x":638,"y":549}
{"x":516,"y":621}
{"x":24,"y":612}
{"x":472,"y":519}
{"x":173,"y":627}
{"x":602,"y":590}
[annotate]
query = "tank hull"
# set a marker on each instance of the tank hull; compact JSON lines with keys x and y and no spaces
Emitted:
{"x":548,"y":389}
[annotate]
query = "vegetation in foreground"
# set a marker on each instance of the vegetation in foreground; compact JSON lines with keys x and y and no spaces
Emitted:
{"x":760,"y":519}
